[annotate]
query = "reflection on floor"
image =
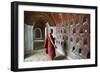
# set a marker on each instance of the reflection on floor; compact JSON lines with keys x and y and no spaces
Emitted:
{"x":40,"y":55}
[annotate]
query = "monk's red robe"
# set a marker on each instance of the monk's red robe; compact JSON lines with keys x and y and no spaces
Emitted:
{"x":50,"y":50}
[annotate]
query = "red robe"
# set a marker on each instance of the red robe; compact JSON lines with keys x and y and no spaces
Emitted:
{"x":50,"y":50}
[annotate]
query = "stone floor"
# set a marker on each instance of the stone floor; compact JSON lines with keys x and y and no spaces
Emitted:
{"x":40,"y":55}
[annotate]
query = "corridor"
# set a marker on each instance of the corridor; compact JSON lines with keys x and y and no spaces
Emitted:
{"x":71,"y":35}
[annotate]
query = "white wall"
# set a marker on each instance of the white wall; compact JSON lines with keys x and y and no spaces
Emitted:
{"x":5,"y":17}
{"x":28,"y":39}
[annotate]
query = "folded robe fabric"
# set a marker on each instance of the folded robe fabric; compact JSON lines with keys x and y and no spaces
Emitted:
{"x":50,"y":50}
{"x":46,"y":45}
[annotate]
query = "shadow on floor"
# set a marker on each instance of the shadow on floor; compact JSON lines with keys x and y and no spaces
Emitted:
{"x":60,"y":58}
{"x":27,"y":55}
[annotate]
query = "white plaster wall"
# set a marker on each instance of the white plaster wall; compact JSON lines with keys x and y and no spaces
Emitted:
{"x":28,"y":39}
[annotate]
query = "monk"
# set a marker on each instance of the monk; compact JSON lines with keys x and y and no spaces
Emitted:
{"x":50,"y":45}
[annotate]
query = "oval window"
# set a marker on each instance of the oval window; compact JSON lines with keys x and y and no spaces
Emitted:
{"x":73,"y":48}
{"x":80,"y":50}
